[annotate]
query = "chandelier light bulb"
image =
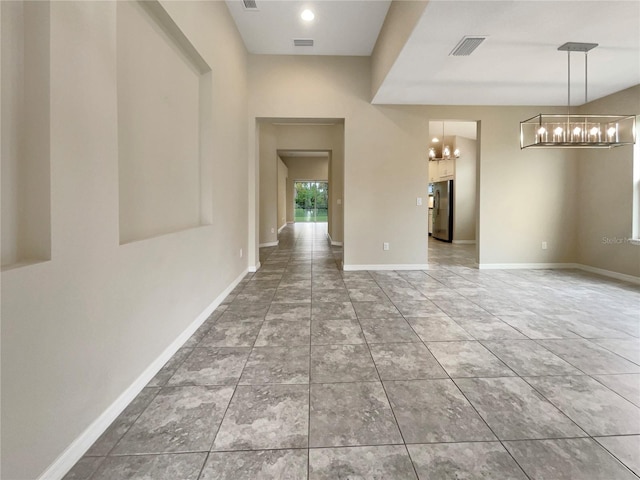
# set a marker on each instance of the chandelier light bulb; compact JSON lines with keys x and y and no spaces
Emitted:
{"x":594,"y":131}
{"x":558,"y":131}
{"x":577,"y":130}
{"x":611,"y":132}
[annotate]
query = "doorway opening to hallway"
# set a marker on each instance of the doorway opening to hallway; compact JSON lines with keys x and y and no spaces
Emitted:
{"x":299,"y":179}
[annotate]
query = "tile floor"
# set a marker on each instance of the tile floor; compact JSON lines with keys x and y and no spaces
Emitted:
{"x":309,"y":372}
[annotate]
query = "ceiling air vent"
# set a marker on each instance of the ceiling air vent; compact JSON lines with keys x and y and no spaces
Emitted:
{"x":250,"y":4}
{"x":466,"y":46}
{"x":303,"y":42}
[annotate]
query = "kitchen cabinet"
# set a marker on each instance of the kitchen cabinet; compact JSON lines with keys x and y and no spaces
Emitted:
{"x":441,"y":170}
{"x":446,"y":169}
{"x":434,"y":171}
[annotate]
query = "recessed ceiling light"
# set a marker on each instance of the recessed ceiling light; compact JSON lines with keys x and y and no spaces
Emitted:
{"x":307,"y":15}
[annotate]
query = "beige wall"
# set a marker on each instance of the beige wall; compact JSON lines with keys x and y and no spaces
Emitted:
{"x":605,"y":195}
{"x":78,"y":330}
{"x":464,"y":191}
{"x":283,"y":175}
{"x":304,"y":168}
{"x":526,"y":196}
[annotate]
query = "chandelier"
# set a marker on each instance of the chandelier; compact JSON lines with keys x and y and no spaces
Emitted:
{"x":446,"y":150}
{"x":577,"y":131}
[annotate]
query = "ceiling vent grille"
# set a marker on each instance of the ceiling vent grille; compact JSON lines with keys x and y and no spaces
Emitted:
{"x":250,"y":4}
{"x":303,"y":42}
{"x":466,"y":46}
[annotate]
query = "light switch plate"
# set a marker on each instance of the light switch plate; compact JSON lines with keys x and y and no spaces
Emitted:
{"x":419,"y":201}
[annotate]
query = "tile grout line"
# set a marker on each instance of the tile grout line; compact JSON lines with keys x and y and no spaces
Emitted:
{"x":465,"y":397}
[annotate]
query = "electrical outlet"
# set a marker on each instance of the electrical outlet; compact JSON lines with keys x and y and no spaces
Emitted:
{"x":385,"y":246}
{"x":240,"y":253}
{"x":544,"y":245}
{"x":419,"y":201}
{"x":273,"y":230}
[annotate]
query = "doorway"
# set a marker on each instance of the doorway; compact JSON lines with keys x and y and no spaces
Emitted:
{"x":311,"y":201}
{"x":454,"y":158}
{"x":311,"y":150}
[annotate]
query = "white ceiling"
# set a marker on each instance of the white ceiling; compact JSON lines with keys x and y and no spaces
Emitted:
{"x":339,"y":28}
{"x":518,"y":64}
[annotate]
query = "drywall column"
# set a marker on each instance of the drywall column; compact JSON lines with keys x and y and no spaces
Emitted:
{"x":268,"y":186}
{"x":283,"y":173}
{"x":464,"y":192}
{"x":336,"y":186}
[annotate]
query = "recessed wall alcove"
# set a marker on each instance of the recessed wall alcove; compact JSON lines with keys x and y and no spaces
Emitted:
{"x":26,"y":192}
{"x":164,"y":125}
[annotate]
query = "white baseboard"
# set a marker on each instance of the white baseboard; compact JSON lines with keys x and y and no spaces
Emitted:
{"x":579,"y":266}
{"x":609,"y":273}
{"x":83,"y":442}
{"x":282,"y":227}
{"x":269,"y":244}
{"x":401,"y":266}
{"x":465,"y":242}
{"x":254,"y":268}
{"x":337,"y":244}
{"x":525,"y":266}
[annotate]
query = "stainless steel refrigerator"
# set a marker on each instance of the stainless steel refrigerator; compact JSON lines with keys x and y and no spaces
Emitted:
{"x":443,"y":210}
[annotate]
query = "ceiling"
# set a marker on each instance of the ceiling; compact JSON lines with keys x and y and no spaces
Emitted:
{"x":518,"y":63}
{"x":339,"y":28}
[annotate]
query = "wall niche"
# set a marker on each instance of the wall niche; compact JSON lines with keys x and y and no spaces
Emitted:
{"x":25,"y":135}
{"x":164,"y":125}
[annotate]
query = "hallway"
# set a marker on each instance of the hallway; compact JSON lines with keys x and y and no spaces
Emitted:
{"x":309,"y":372}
